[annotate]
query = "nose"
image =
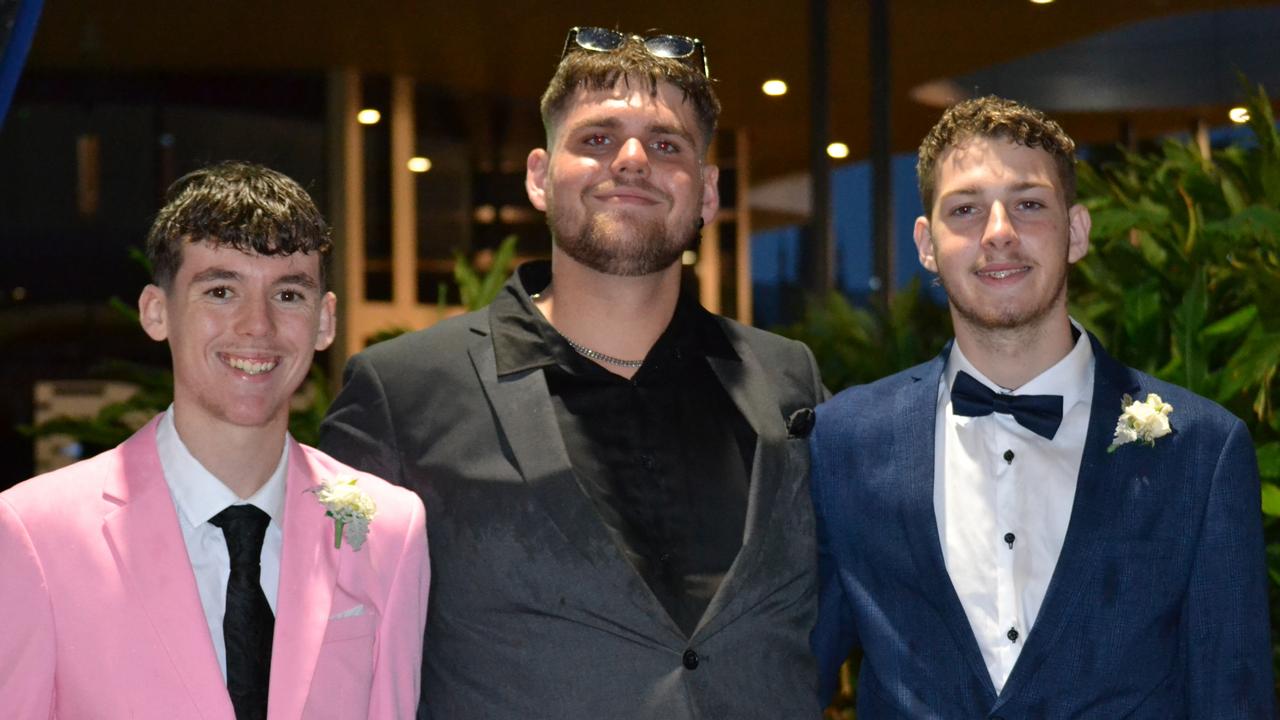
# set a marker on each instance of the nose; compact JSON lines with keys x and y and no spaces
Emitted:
{"x":254,"y":318}
{"x":999,"y":231}
{"x":631,"y":159}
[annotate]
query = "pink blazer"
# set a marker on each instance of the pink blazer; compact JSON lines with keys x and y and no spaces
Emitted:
{"x":100,"y":618}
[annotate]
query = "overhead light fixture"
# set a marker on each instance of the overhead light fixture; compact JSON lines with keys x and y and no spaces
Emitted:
{"x":368,"y":116}
{"x":774,"y":88}
{"x":1041,"y":2}
{"x":1239,"y":115}
{"x":838,"y":150}
{"x":419,"y":164}
{"x":688,"y":257}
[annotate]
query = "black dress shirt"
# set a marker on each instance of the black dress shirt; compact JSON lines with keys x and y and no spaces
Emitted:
{"x":665,"y":456}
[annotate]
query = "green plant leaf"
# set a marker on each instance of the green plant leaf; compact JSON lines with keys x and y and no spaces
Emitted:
{"x":1270,"y":500}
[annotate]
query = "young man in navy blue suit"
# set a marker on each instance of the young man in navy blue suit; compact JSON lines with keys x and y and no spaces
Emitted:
{"x":1024,"y":527}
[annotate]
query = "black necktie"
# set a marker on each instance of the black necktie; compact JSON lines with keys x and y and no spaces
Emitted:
{"x":248,"y":623}
{"x":1041,"y":414}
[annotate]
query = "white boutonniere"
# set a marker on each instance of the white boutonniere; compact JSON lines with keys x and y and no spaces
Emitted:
{"x":1142,"y":421}
{"x":351,"y":509}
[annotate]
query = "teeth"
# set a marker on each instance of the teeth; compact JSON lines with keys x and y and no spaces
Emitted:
{"x":1002,"y":274}
{"x":251,"y":367}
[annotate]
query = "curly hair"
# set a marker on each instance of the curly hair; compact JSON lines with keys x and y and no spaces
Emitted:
{"x":995,"y":117}
{"x":241,"y":205}
{"x":594,"y":71}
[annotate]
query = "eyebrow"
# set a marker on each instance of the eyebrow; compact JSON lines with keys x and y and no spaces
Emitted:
{"x":217,"y":274}
{"x":1019,"y":187}
{"x":613,"y":123}
{"x":214,"y":274}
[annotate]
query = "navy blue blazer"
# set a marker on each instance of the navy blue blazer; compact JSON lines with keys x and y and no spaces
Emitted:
{"x":1157,"y":607}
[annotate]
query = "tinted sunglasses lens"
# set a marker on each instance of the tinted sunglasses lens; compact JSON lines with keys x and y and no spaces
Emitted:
{"x":598,"y":39}
{"x":670,"y":46}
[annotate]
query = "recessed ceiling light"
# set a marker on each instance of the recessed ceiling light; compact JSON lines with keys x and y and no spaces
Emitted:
{"x":838,"y":150}
{"x":1238,"y":115}
{"x":368,"y":116}
{"x":419,"y":164}
{"x":774,"y":88}
{"x":1041,"y":2}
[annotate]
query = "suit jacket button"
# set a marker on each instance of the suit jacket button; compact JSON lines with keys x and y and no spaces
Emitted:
{"x":690,"y":659}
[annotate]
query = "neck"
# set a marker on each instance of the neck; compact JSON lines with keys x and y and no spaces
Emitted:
{"x":618,"y":316}
{"x":1012,"y":357}
{"x":243,"y":458}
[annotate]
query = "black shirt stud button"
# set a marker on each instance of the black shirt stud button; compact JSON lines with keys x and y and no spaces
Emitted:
{"x":1009,"y":538}
{"x":1008,"y":456}
{"x":690,"y":659}
{"x":1013,"y":635}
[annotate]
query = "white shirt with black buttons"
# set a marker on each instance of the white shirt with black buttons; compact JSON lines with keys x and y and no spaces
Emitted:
{"x":1002,"y":497}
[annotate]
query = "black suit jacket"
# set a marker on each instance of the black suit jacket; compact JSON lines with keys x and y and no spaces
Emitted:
{"x":534,"y":611}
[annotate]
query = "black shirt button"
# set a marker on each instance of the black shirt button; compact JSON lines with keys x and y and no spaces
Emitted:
{"x":1009,"y":538}
{"x":1013,"y":635}
{"x":690,"y":659}
{"x":1008,"y":456}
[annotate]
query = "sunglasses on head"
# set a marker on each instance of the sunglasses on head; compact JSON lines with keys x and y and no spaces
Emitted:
{"x":677,"y":47}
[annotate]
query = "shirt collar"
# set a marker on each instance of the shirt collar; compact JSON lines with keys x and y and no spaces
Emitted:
{"x":1071,"y":377}
{"x":197,"y":494}
{"x":523,"y":339}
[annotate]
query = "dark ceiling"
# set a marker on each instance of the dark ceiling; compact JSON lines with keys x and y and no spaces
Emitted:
{"x":508,"y":49}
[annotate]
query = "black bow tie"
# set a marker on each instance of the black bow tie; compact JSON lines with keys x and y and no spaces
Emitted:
{"x":1041,"y":414}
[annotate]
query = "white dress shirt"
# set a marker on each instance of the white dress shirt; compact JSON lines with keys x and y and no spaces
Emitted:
{"x":198,"y":496}
{"x":1002,"y":497}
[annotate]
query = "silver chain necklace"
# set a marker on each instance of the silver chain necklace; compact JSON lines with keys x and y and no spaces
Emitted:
{"x":587,"y":352}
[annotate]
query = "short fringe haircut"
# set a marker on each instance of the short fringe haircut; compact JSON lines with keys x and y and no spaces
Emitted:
{"x":995,"y":117}
{"x":240,"y":205}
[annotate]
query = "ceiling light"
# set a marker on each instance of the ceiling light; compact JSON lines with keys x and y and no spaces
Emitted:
{"x":774,"y":88}
{"x":1041,"y":2}
{"x":419,"y":164}
{"x":1238,"y":115}
{"x":368,"y":116}
{"x":688,"y":257}
{"x":838,"y":150}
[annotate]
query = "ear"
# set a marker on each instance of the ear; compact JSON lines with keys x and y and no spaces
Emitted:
{"x":1079,"y":224}
{"x":710,"y":193}
{"x":535,"y":178}
{"x":924,"y":244}
{"x":328,"y":321}
{"x":152,"y":313}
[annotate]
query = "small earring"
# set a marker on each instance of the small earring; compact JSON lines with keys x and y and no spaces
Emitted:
{"x":701,"y":222}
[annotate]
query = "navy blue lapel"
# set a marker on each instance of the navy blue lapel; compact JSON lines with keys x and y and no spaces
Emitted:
{"x":915,"y":412}
{"x":1100,"y":473}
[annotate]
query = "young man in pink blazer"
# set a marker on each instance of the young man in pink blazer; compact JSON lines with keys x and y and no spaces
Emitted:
{"x":211,"y":566}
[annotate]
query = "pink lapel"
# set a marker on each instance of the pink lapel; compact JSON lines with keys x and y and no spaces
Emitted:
{"x":147,"y":541}
{"x":308,"y":571}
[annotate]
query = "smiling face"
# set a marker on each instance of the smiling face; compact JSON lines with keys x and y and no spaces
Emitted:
{"x":1000,"y":236}
{"x":623,"y":183}
{"x":242,"y":329}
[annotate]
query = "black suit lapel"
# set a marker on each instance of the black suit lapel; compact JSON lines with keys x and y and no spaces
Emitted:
{"x":915,"y":428}
{"x":524,"y":411}
{"x":747,"y":384}
{"x":1100,"y":473}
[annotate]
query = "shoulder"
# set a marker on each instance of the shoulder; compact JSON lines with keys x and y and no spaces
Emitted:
{"x":760,"y":341}
{"x":440,"y":343}
{"x":65,"y":498}
{"x":878,"y":393}
{"x":789,"y":364}
{"x":397,"y":506}
{"x":1192,"y":414}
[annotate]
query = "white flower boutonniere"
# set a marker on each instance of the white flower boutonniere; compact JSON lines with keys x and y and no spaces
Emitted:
{"x":1142,"y":421}
{"x":351,"y":509}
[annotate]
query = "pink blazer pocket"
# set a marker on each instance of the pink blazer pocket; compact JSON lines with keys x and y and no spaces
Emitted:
{"x":343,"y":680}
